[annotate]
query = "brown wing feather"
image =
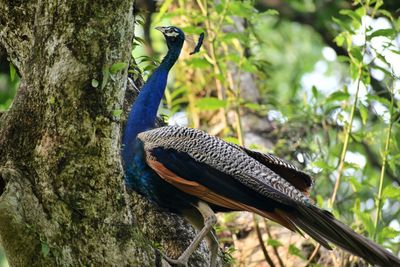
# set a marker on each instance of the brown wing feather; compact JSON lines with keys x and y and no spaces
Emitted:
{"x":203,"y":193}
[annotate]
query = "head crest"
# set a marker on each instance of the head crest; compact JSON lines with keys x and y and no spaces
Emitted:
{"x":199,"y":44}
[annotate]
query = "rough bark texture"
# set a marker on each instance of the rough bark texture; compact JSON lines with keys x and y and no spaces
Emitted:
{"x":62,"y":200}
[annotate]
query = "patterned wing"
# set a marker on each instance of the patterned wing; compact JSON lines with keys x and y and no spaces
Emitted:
{"x":219,"y":155}
{"x":301,"y":180}
{"x":210,"y":185}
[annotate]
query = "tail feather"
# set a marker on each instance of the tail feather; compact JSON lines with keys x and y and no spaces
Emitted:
{"x":322,"y":226}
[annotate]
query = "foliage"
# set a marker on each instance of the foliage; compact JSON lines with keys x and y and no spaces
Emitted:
{"x":3,"y":261}
{"x":9,"y":82}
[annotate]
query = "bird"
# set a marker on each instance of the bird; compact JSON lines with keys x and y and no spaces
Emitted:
{"x":183,"y":168}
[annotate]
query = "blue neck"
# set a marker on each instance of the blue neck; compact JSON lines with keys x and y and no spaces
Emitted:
{"x":144,"y":111}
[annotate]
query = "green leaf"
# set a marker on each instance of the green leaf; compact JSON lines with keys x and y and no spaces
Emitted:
{"x":337,"y":96}
{"x":322,"y":164}
{"x":356,"y":53}
{"x":363,"y":113}
{"x":384,"y":70}
{"x":382,"y":32}
{"x":117,"y":112}
{"x":231,"y":139}
{"x":13,"y":72}
{"x":95,"y":83}
{"x":357,"y":186}
{"x":249,"y":66}
{"x":200,"y":63}
{"x":117,"y":67}
{"x":45,"y":249}
{"x":272,"y":12}
{"x":241,"y":9}
{"x":343,"y":59}
{"x":343,"y":25}
{"x":179,"y":91}
{"x":320,"y":201}
{"x":293,"y":250}
{"x":381,"y":100}
{"x":254,"y":106}
{"x":211,"y":103}
{"x":274,"y":243}
{"x":354,"y":70}
{"x":106,"y":75}
{"x":139,"y":40}
{"x":356,"y":18}
{"x":339,"y":40}
{"x":315,"y":92}
{"x":391,"y":192}
{"x":367,"y":221}
{"x":163,"y":9}
{"x":385,"y":13}
{"x":389,"y":233}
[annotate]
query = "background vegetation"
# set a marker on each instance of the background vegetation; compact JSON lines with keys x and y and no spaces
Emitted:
{"x":315,"y":82}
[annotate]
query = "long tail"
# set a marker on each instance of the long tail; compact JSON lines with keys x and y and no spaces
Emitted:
{"x":322,"y":226}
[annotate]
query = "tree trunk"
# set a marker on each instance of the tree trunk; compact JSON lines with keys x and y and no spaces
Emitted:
{"x":62,"y":199}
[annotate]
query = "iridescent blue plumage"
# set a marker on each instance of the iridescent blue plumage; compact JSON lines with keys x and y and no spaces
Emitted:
{"x":138,"y":175}
{"x":144,"y":111}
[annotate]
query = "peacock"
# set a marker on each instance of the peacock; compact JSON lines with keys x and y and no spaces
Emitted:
{"x":182,"y":168}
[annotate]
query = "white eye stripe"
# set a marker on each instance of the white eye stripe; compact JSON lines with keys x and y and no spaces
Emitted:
{"x":172,"y":34}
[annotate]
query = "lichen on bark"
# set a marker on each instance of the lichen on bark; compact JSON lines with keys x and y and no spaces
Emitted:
{"x":62,"y":199}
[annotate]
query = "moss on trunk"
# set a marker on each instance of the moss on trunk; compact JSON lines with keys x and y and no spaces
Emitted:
{"x":62,"y":199}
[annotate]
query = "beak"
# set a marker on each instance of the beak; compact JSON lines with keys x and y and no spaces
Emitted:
{"x":160,"y":28}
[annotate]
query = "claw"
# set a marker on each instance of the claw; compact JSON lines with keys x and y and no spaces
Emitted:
{"x":209,"y":221}
{"x":181,"y":261}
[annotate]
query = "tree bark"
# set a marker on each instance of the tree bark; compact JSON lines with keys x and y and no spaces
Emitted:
{"x":62,"y":199}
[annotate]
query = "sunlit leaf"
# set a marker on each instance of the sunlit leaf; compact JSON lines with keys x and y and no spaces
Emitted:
{"x":337,"y":96}
{"x":210,"y":103}
{"x":45,"y":249}
{"x":382,"y":32}
{"x":231,"y":139}
{"x":356,"y":17}
{"x":354,"y":183}
{"x":391,"y":192}
{"x":117,"y":67}
{"x":13,"y":72}
{"x":343,"y":24}
{"x":367,"y":221}
{"x":274,"y":243}
{"x":200,"y":63}
{"x":293,"y":250}
{"x":117,"y":112}
{"x":272,"y":12}
{"x":363,"y":113}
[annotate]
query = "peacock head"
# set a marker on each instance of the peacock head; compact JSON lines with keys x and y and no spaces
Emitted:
{"x":173,"y":35}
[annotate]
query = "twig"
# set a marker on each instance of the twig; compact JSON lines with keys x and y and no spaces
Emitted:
{"x":385,"y":154}
{"x":273,"y":248}
{"x":346,"y":140}
{"x":313,"y":254}
{"x":263,"y":248}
